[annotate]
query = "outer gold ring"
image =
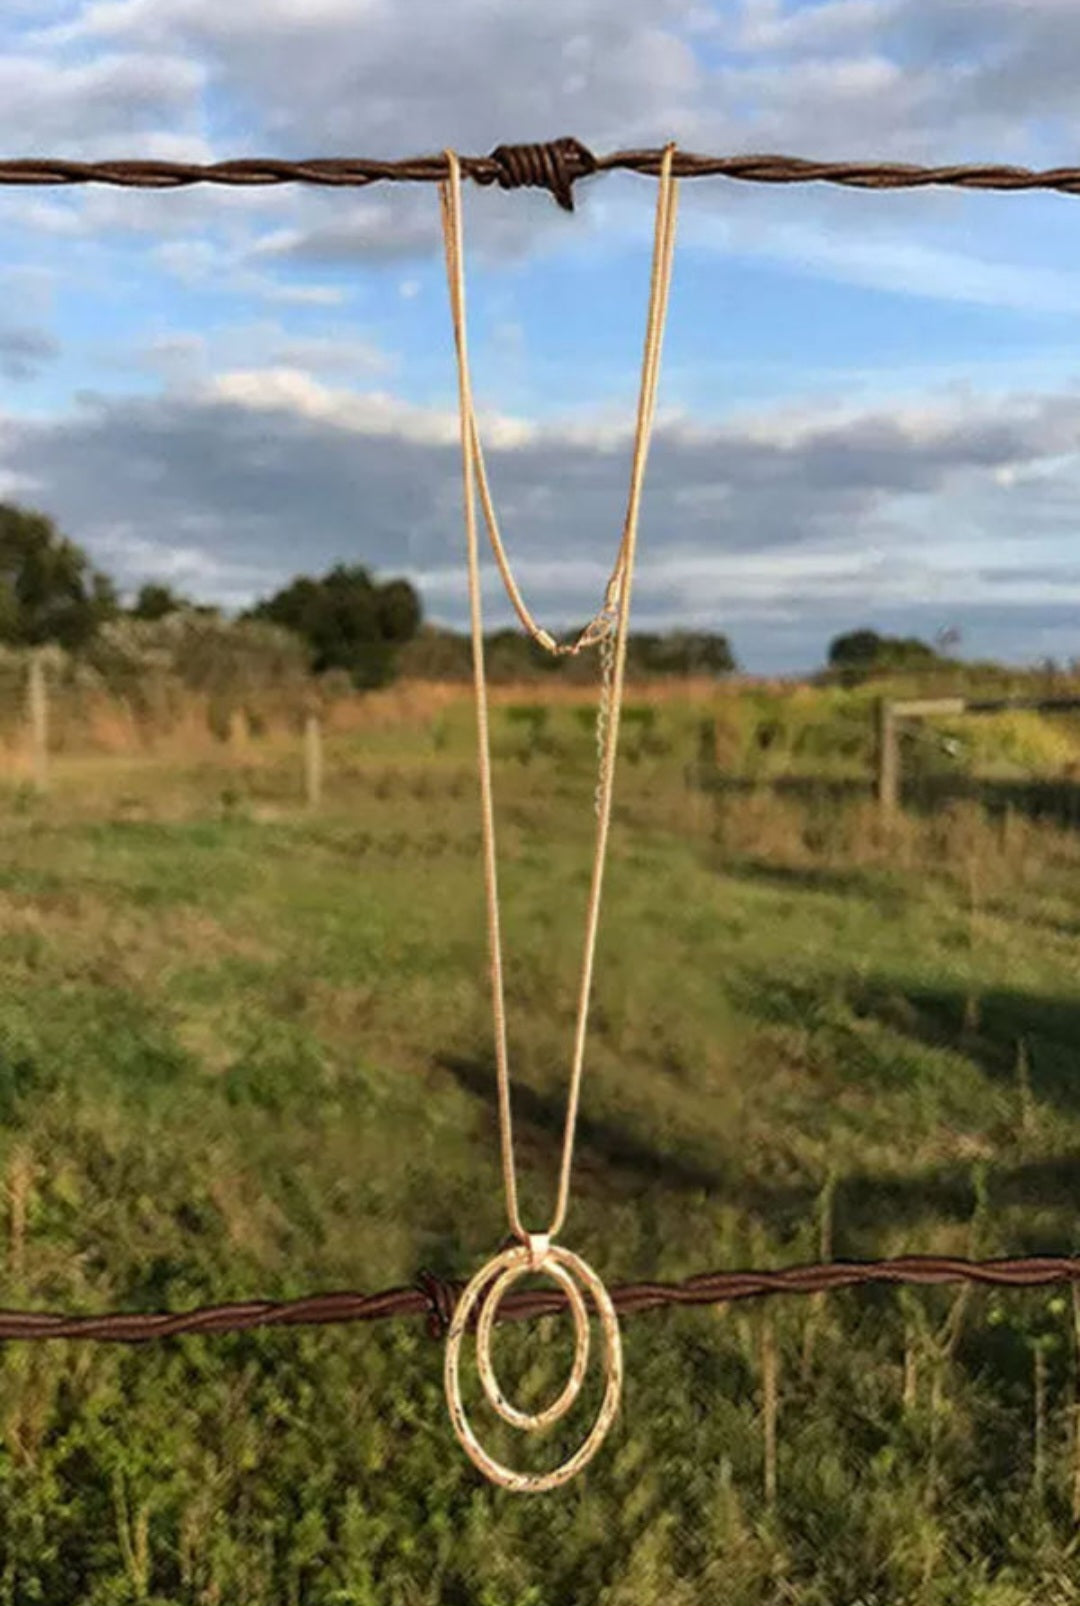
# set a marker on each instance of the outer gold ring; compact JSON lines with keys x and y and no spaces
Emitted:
{"x":514,"y":1263}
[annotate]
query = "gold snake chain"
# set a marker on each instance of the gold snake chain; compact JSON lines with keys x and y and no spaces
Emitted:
{"x":617,"y":602}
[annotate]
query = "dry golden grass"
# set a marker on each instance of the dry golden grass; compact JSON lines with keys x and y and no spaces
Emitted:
{"x":110,"y":725}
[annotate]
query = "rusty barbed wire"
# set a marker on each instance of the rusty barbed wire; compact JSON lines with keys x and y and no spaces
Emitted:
{"x":555,"y":165}
{"x":436,"y":1297}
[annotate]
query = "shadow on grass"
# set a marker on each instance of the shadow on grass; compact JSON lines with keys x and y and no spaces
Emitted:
{"x":600,"y":1144}
{"x":998,"y":1029}
{"x":1056,"y":801}
{"x":1053,"y":801}
{"x":864,"y":1202}
{"x":1039,"y":1190}
{"x":871,"y":884}
{"x":1034,"y":919}
{"x":1044,"y":1188}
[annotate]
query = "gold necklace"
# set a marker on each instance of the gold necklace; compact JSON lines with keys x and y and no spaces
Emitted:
{"x":536,"y":1252}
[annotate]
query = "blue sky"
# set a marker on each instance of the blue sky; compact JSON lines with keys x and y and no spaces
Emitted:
{"x":869,"y":405}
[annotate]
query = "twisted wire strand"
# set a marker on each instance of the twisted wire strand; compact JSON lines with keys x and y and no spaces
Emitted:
{"x":556,"y":165}
{"x":436,"y":1298}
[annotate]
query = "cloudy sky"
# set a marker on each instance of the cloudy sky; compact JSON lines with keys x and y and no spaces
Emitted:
{"x":869,"y":410}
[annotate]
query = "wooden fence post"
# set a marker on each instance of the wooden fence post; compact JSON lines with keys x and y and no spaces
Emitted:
{"x":888,"y":760}
{"x":769,"y":1401}
{"x":313,"y":760}
{"x":698,"y":774}
{"x":889,"y":715}
{"x":38,"y":719}
{"x":239,"y":731}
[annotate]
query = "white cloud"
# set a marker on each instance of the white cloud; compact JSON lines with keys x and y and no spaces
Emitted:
{"x":207,"y":262}
{"x":193,"y":569}
{"x":331,"y":354}
{"x":190,"y":357}
{"x":289,"y":390}
{"x":781,"y":530}
{"x":96,"y":108}
{"x":835,"y":25}
{"x":24,"y":351}
{"x":298,"y":295}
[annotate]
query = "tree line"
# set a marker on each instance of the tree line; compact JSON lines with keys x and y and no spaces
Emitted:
{"x":373,"y":630}
{"x":349,"y":621}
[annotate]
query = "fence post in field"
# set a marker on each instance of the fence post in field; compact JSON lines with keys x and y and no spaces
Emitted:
{"x":313,"y":759}
{"x":888,"y":760}
{"x":707,"y":763}
{"x":769,"y":1394}
{"x":700,"y":775}
{"x":239,"y":731}
{"x":37,"y":708}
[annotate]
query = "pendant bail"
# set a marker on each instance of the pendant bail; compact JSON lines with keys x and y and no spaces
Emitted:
{"x":538,"y":1244}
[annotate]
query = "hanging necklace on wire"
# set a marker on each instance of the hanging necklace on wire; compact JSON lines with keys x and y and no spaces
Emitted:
{"x":536,"y":1252}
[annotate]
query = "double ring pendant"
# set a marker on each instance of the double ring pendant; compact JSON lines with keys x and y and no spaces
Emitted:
{"x":536,"y":1253}
{"x":487,"y":1288}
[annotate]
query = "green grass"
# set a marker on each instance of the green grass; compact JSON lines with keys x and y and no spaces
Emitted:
{"x":244,"y":1051}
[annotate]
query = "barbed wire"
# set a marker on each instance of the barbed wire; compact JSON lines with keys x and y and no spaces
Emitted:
{"x":436,"y":1297}
{"x":556,"y":166}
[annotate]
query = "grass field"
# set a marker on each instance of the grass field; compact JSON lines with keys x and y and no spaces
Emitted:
{"x":247,"y":1051}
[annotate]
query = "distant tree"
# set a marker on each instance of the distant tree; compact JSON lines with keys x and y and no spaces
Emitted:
{"x":436,"y":654}
{"x":511,"y":656}
{"x":398,"y":610}
{"x":859,"y":649}
{"x":154,"y":601}
{"x":864,"y":652}
{"x":48,"y":590}
{"x":348,"y":621}
{"x":680,"y":652}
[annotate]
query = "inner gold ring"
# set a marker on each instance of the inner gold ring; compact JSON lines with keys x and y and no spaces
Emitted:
{"x":526,"y":1420}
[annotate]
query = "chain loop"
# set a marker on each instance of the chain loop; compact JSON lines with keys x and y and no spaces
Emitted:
{"x":608,"y":629}
{"x":616,"y":604}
